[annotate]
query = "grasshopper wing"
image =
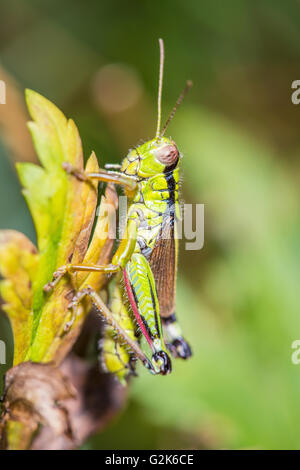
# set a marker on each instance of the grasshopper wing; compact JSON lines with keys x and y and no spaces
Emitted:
{"x":163,"y":262}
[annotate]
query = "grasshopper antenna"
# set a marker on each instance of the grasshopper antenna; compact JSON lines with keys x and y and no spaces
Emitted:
{"x":160,"y":84}
{"x":188,"y":85}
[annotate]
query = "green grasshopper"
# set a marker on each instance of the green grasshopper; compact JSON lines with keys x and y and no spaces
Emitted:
{"x":146,"y":258}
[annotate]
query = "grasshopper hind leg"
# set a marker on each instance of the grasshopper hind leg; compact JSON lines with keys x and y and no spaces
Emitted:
{"x":176,"y":343}
{"x":141,"y":291}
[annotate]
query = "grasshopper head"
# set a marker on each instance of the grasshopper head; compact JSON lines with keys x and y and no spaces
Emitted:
{"x":156,"y":156}
{"x":151,"y":158}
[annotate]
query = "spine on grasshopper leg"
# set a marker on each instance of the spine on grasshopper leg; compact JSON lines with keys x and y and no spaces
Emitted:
{"x":115,"y":356}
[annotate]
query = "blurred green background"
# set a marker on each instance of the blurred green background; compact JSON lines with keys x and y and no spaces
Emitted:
{"x":238,"y":297}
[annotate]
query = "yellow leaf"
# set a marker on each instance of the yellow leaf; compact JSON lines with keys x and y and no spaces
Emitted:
{"x":18,"y":262}
{"x":62,"y":208}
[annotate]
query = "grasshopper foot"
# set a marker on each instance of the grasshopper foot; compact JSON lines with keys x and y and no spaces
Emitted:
{"x":73,"y":306}
{"x":56,"y":278}
{"x":71,"y":170}
{"x":163,"y":362}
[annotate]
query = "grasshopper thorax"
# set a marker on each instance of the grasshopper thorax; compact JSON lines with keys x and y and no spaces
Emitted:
{"x":153,"y":157}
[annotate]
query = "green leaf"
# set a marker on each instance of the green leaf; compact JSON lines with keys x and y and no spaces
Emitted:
{"x":63,"y":211}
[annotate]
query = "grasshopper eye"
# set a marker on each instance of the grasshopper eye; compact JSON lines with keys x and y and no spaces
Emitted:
{"x":167,"y":155}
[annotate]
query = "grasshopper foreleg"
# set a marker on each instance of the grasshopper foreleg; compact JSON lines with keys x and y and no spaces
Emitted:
{"x":107,"y":176}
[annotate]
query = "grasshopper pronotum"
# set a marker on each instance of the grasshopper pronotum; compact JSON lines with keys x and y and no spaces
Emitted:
{"x":146,"y":257}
